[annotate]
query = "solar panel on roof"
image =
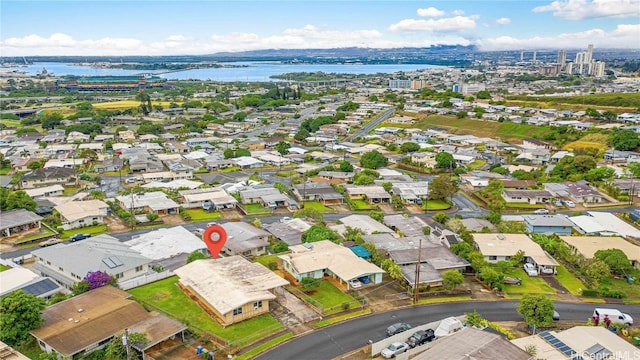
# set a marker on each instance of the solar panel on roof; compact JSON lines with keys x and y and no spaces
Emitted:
{"x":116,"y":260}
{"x":109,"y":263}
{"x":41,"y":287}
{"x":558,"y":344}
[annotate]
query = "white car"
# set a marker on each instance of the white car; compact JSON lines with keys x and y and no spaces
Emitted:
{"x":355,"y":283}
{"x":530,"y":269}
{"x":285,"y":219}
{"x":394,"y":349}
{"x":569,"y":203}
{"x":541,"y":212}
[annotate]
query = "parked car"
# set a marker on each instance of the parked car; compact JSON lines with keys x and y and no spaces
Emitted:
{"x":211,"y":223}
{"x":530,"y":269}
{"x":541,"y":211}
{"x":285,"y":219}
{"x":556,"y":316}
{"x":569,"y":203}
{"x":615,"y":315}
{"x":129,"y":180}
{"x":421,"y":337}
{"x":394,"y":349}
{"x":355,"y":283}
{"x":50,"y":242}
{"x":364,"y":279}
{"x":397,"y":328}
{"x":557,"y":203}
{"x":199,"y":231}
{"x":512,"y":280}
{"x":79,"y":236}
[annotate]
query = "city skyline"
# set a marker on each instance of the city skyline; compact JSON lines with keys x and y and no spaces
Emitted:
{"x":82,"y":28}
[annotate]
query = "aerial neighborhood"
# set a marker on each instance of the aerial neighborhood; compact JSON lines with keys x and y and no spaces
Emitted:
{"x":509,"y":186}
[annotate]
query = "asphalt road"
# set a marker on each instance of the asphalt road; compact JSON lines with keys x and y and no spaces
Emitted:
{"x":333,"y":341}
{"x":370,"y":125}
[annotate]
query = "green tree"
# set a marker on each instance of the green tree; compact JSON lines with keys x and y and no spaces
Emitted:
{"x":616,"y":259}
{"x":19,"y":199}
{"x":19,"y":314}
{"x":625,"y":140}
{"x":309,"y":284}
{"x":409,"y":147}
{"x":493,"y":194}
{"x":596,"y":271}
{"x":50,"y":120}
{"x":373,"y":160}
{"x":35,"y":165}
{"x":462,"y":114}
{"x":346,"y":166}
{"x":309,"y":213}
{"x":116,"y":350}
{"x":145,"y":102}
{"x":444,"y":160}
{"x":537,"y":310}
{"x":302,"y":134}
{"x":279,"y":247}
{"x":462,"y":249}
{"x":387,"y":185}
{"x":451,"y":279}
{"x":441,"y":218}
{"x":492,"y":277}
{"x":196,"y":255}
{"x":377,"y":216}
{"x":318,"y":233}
{"x":80,"y":287}
{"x":392,"y":269}
{"x":353,"y":234}
{"x":152,"y":216}
{"x":483,"y":94}
{"x":442,"y":187}
{"x":283,"y":147}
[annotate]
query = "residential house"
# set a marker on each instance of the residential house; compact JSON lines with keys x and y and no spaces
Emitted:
{"x":433,"y":259}
{"x":64,"y":163}
{"x":19,"y":278}
{"x":426,"y":159}
{"x":317,"y":191}
{"x":604,"y":224}
{"x":42,"y":192}
{"x":499,"y":247}
{"x":411,"y":192}
{"x":548,"y":224}
{"x":18,"y":220}
{"x":586,"y":342}
{"x":89,"y":321}
{"x":140,"y":160}
{"x":463,"y":160}
{"x":289,"y":231}
{"x":167,"y":246}
{"x":212,"y":198}
{"x":530,"y":143}
{"x":155,"y":202}
{"x":266,"y":195}
{"x":629,"y":187}
{"x":325,"y":258}
{"x":126,"y":135}
{"x":364,"y":223}
{"x":49,"y":176}
{"x":408,"y":226}
{"x":373,"y":194}
{"x":78,"y":214}
{"x":589,"y":245}
{"x":247,"y":162}
{"x":244,"y":239}
{"x":534,"y":156}
{"x":579,"y":192}
{"x":176,"y":147}
{"x":112,"y":164}
{"x":69,"y":263}
{"x":76,"y":136}
{"x":471,"y":343}
{"x":527,"y":196}
{"x":230,"y":289}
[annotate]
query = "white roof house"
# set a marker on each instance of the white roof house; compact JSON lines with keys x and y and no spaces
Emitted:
{"x":496,"y":247}
{"x":166,"y":242}
{"x":233,"y":287}
{"x":603,"y":223}
{"x":52,"y":190}
{"x":76,"y":214}
{"x":365,"y":223}
{"x":324,"y":257}
{"x":156,"y":201}
{"x":588,"y":245}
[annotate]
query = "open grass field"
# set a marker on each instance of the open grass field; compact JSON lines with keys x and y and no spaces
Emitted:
{"x":608,"y":101}
{"x":167,"y":296}
{"x":10,"y":123}
{"x":483,"y":128}
{"x":126,"y":104}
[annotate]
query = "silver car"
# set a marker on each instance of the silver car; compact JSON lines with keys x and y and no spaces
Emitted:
{"x":394,"y":349}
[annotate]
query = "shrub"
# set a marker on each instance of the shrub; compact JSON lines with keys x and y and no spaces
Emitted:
{"x":589,"y":292}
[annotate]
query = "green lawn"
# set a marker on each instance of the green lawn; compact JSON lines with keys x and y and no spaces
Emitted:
{"x":286,"y":173}
{"x":316,"y":205}
{"x":4,"y":170}
{"x":631,"y":290}
{"x":570,"y":282}
{"x":4,"y":267}
{"x":93,"y":230}
{"x":330,"y":296}
{"x":256,"y":209}
{"x":68,"y":191}
{"x":436,"y":205}
{"x":201,"y":214}
{"x":44,"y":232}
{"x":362,"y":205}
{"x":10,"y":123}
{"x":535,"y":285}
{"x":230,"y":169}
{"x":166,"y":295}
{"x":266,"y":259}
{"x":337,"y":319}
{"x":436,"y":300}
{"x":264,"y":347}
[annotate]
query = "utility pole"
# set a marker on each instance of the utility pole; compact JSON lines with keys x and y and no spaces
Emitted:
{"x":133,"y":218}
{"x":416,"y":286}
{"x":125,"y":342}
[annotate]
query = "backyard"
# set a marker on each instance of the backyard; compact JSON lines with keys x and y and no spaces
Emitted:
{"x":167,"y":296}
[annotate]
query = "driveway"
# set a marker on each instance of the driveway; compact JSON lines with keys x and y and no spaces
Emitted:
{"x":466,"y":207}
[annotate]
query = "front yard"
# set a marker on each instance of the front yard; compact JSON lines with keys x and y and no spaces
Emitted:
{"x":328,"y":296}
{"x":362,"y":205}
{"x":316,"y":205}
{"x":202,"y":215}
{"x":530,"y":285}
{"x":93,"y":230}
{"x":569,"y":281}
{"x":256,"y":209}
{"x":167,"y":296}
{"x":436,"y":205}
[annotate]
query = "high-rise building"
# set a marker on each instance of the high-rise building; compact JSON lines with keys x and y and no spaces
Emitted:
{"x":589,"y":55}
{"x":562,"y":57}
{"x":597,"y":69}
{"x":521,"y":55}
{"x":535,"y":54}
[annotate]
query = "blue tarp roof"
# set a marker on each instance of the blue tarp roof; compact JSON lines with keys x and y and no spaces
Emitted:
{"x":361,"y":251}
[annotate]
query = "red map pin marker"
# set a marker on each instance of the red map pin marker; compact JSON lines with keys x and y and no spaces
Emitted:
{"x":214,"y":237}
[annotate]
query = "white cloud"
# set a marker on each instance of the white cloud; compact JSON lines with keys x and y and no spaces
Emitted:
{"x":453,"y":24}
{"x":458,"y":12}
{"x":622,"y":37}
{"x":430,"y":12}
{"x":176,"y":38}
{"x":503,"y":21}
{"x":586,"y":9}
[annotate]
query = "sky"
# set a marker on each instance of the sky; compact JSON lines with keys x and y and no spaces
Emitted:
{"x":156,"y":27}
